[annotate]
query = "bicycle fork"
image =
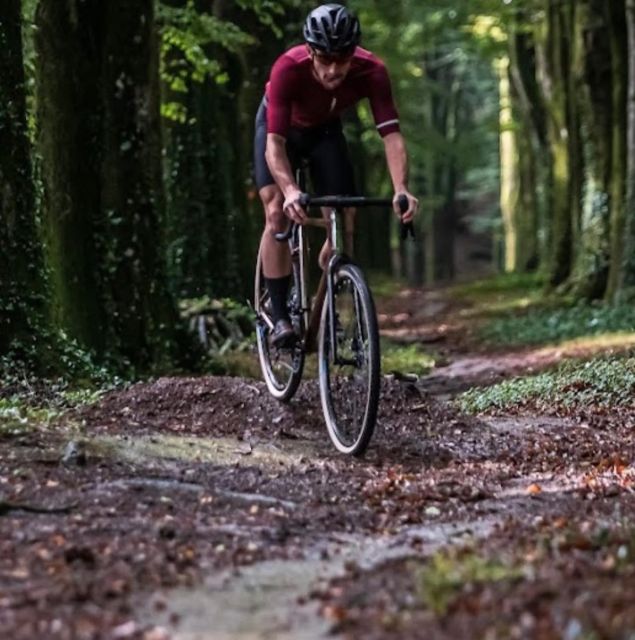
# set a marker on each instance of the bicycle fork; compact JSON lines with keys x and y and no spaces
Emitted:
{"x":336,"y":260}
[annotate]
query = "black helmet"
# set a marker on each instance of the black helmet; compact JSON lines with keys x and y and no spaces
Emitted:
{"x":332,"y":28}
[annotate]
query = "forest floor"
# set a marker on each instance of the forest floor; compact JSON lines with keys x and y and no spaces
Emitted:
{"x":200,"y":508}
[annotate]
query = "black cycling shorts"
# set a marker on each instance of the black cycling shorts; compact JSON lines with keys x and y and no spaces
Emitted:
{"x":324,"y":147}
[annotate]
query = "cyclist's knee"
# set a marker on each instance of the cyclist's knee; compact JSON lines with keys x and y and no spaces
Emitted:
{"x":272,"y":202}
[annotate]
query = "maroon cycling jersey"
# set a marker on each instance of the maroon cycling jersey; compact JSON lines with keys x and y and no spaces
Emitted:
{"x":295,"y":98}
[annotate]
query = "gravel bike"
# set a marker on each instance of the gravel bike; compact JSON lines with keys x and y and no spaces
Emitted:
{"x":340,"y":321}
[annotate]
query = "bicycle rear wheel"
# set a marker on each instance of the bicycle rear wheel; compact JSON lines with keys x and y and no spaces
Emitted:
{"x":281,"y":367}
{"x":349,"y":374}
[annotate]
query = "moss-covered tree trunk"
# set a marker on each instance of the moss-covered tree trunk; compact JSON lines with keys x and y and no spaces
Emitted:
{"x":627,"y":280}
{"x":68,"y":44}
{"x":555,"y":43}
{"x":593,"y":83}
{"x":534,"y":155}
{"x":143,"y":313}
{"x":21,"y":279}
{"x":554,"y":76}
{"x":615,"y":14}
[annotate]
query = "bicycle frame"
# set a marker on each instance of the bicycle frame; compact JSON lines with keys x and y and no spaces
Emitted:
{"x":295,"y":237}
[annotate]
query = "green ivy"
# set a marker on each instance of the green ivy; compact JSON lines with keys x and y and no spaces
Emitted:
{"x":601,"y":382}
{"x":543,"y":326}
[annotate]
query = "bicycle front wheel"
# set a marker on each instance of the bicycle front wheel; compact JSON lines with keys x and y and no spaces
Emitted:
{"x":281,"y":367}
{"x":349,"y":369}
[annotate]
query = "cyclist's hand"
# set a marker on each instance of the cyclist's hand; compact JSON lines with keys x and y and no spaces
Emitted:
{"x":292,"y":207}
{"x":413,"y":206}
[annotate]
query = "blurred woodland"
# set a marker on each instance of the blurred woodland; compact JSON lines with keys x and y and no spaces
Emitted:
{"x":126,"y":135}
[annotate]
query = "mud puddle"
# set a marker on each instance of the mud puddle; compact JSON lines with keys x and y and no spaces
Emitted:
{"x":221,"y":451}
{"x":272,"y":600}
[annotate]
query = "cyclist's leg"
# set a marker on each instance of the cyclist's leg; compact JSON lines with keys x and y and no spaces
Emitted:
{"x":276,"y":260}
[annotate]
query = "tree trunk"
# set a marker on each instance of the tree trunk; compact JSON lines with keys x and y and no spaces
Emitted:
{"x":594,"y":106}
{"x":21,"y":281}
{"x":615,"y":13}
{"x":554,"y":79}
{"x":510,"y":176}
{"x":68,"y":41}
{"x":627,"y":284}
{"x":144,"y":316}
{"x":534,"y":155}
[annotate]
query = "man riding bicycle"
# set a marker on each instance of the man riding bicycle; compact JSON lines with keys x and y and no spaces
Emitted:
{"x":309,"y":87}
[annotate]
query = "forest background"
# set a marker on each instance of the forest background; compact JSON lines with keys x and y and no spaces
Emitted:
{"x":125,"y":174}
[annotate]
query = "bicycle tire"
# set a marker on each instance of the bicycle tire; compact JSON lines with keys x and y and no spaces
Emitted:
{"x":349,"y":431}
{"x":281,"y":368}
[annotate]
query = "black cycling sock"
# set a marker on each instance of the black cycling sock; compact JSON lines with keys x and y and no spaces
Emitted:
{"x":278,"y":289}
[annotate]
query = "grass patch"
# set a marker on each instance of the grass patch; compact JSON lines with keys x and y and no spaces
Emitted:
{"x":605,"y":382}
{"x":405,"y":358}
{"x":245,"y":364}
{"x":505,"y":295}
{"x":448,"y":573}
{"x":505,"y":292}
{"x":548,"y":326}
{"x":394,"y":358}
{"x":383,"y":285}
{"x":509,"y":284}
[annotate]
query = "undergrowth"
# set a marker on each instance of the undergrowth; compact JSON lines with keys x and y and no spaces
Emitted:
{"x":396,"y":358}
{"x":448,"y":573}
{"x":33,"y":395}
{"x":600,"y":382}
{"x":548,"y":326}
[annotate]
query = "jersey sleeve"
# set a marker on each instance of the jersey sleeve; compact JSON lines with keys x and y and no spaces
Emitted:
{"x":381,"y":101}
{"x":280,"y":96}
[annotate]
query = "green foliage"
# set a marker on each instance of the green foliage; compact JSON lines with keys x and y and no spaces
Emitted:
{"x":193,"y":44}
{"x":55,"y":355}
{"x":504,"y":284}
{"x":16,"y":417}
{"x":396,"y":358}
{"x":544,"y":326}
{"x":186,"y":35}
{"x":29,"y":401}
{"x":268,"y":10}
{"x":448,"y":573}
{"x":600,"y":382}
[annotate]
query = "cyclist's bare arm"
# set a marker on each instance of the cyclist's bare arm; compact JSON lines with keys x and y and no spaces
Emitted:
{"x":280,"y":167}
{"x":397,"y":160}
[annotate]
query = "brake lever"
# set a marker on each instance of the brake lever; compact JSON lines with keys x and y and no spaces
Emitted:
{"x":407,"y":228}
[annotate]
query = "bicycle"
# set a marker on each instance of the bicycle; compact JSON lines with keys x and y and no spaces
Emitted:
{"x":341,"y":318}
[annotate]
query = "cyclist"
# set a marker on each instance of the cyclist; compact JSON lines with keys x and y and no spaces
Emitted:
{"x":299,"y":117}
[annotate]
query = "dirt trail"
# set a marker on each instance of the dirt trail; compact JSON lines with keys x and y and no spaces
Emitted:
{"x":201,"y":509}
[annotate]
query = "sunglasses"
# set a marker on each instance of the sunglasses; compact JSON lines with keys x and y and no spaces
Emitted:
{"x":333,"y":58}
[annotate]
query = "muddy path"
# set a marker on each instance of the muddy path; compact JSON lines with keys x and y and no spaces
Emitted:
{"x":200,"y":508}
